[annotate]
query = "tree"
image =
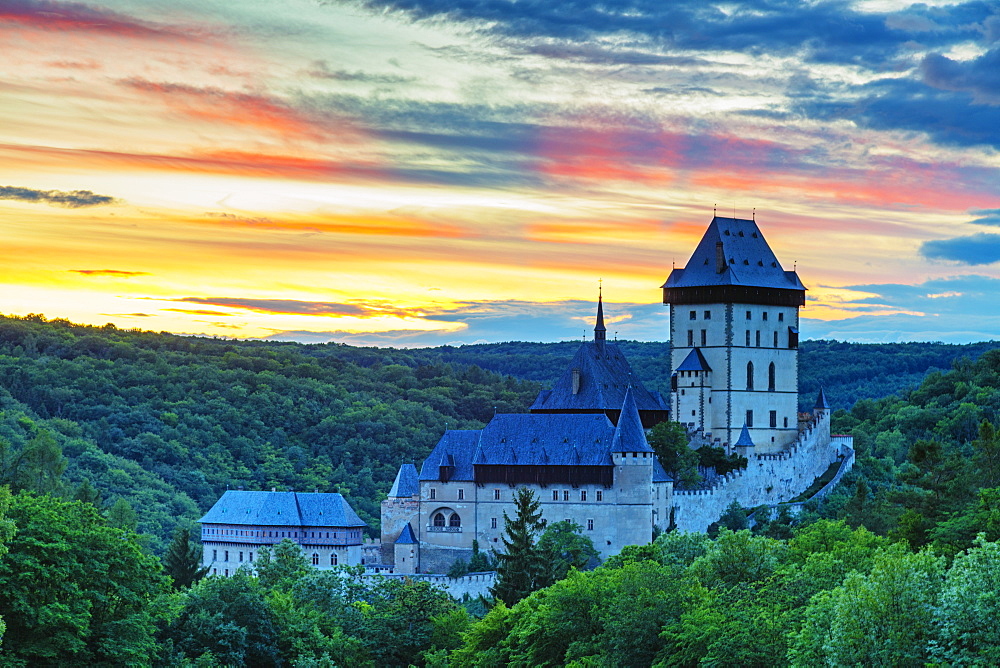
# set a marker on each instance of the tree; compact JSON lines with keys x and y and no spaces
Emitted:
{"x":281,"y":565}
{"x":75,"y":591}
{"x":7,"y":530}
{"x":669,"y":441}
{"x":965,"y":620}
{"x":182,"y":560}
{"x":564,"y":546}
{"x":521,"y":567}
{"x":122,"y":515}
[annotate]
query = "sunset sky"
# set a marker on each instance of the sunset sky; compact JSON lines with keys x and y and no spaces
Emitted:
{"x":420,"y":172}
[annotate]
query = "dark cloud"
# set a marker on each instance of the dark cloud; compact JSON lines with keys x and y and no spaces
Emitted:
{"x":72,"y":199}
{"x":294,"y":307}
{"x":320,"y":69}
{"x":980,"y":77}
{"x":982,"y":248}
{"x":109,"y":272}
{"x":986,"y":216}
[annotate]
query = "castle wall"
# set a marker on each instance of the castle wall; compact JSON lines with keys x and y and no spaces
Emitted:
{"x":396,"y":513}
{"x":473,"y":584}
{"x":769,"y":479}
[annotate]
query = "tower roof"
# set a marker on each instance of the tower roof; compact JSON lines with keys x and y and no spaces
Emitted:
{"x":744,"y":441}
{"x":629,"y":434}
{"x":406,"y":536}
{"x":733,"y":252}
{"x":407,"y":482}
{"x":821,"y":403}
{"x":600,"y":331}
{"x":694,"y":361}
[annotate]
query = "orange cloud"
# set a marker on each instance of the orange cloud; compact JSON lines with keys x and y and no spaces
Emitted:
{"x":46,"y":15}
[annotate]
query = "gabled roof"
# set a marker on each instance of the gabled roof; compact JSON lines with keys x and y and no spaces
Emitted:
{"x":629,"y":434}
{"x":406,"y":483}
{"x":282,"y":509}
{"x":747,"y":260}
{"x":694,"y":361}
{"x":406,"y":536}
{"x":460,"y":445}
{"x":744,"y":440}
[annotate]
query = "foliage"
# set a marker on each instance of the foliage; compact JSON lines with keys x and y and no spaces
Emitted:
{"x":182,"y":560}
{"x":74,"y":590}
{"x":670,"y":443}
{"x":564,"y":547}
{"x":521,"y":567}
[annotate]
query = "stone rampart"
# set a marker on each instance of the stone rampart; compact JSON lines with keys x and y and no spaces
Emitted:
{"x":473,"y":584}
{"x":768,"y":479}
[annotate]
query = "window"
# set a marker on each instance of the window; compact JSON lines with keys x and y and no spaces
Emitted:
{"x":590,"y":525}
{"x":758,"y":338}
{"x":454,"y":520}
{"x":439,"y":519}
{"x":774,"y":419}
{"x":748,"y":338}
{"x":786,"y":423}
{"x":704,"y":337}
{"x":493,"y":523}
{"x":763,"y":315}
{"x":496,"y":495}
{"x":434,"y":493}
{"x":781,"y":317}
{"x":775,"y":339}
{"x":749,"y":419}
{"x":565,"y":495}
{"x":555,"y":495}
{"x":708,"y":315}
{"x":227,"y":556}
{"x":241,"y":556}
{"x":333,"y":558}
{"x":251,"y":557}
{"x":600,"y":495}
{"x":226,"y":572}
{"x":215,"y":571}
{"x":750,"y":376}
{"x":583,"y":495}
{"x":690,"y":337}
{"x":215,"y":555}
{"x":693,"y":315}
{"x":315,"y":559}
{"x":461,"y":495}
{"x":749,"y":315}
{"x":770,"y":378}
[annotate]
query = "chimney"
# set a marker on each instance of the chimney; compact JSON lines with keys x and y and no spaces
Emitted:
{"x":720,"y":258}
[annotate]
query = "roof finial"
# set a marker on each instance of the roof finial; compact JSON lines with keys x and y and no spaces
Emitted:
{"x":600,"y":331}
{"x":715,"y":209}
{"x":755,"y":214}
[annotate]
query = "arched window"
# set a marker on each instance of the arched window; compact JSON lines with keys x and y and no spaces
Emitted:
{"x":770,"y":377}
{"x":315,"y":559}
{"x":333,"y":559}
{"x":749,"y":375}
{"x":439,"y":519}
{"x":454,"y":520}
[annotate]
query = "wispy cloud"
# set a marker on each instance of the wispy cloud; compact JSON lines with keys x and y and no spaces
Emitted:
{"x":119,"y":273}
{"x":71,"y":199}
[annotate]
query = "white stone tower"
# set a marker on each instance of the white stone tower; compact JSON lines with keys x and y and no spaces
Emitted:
{"x":734,"y":330}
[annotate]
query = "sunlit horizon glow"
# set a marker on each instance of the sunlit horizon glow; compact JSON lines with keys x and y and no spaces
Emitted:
{"x":407,"y":172}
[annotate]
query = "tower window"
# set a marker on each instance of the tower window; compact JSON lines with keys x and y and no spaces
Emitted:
{"x":758,"y":338}
{"x":600,"y":495}
{"x":775,"y":339}
{"x":770,"y":378}
{"x":704,"y":337}
{"x":786,"y":423}
{"x":774,"y":419}
{"x":693,"y":315}
{"x":565,"y":495}
{"x":690,"y":337}
{"x":750,"y":376}
{"x":748,"y":338}
{"x":496,"y":495}
{"x":434,"y":493}
{"x":461,"y":495}
{"x":781,"y":317}
{"x":749,"y":315}
{"x":749,"y":419}
{"x":590,"y":525}
{"x":708,"y":315}
{"x":583,"y":495}
{"x":555,"y":495}
{"x":763,"y":315}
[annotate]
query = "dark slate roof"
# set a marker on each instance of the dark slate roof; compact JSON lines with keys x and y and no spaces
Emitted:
{"x":695,"y":361}
{"x":406,"y":536}
{"x":406,"y":483}
{"x":744,"y":439}
{"x":461,"y":445}
{"x":821,"y":403}
{"x":605,"y":374}
{"x":282,"y":509}
{"x":749,"y":260}
{"x":659,"y":473}
{"x":629,"y":434}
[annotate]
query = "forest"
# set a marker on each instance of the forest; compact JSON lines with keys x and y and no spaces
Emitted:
{"x":113,"y":442}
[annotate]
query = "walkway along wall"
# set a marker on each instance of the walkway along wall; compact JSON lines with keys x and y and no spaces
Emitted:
{"x":768,"y":479}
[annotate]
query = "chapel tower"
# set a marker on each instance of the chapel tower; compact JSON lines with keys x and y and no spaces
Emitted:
{"x":734,"y":332}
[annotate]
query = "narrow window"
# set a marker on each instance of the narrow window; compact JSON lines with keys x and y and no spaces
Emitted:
{"x":496,"y":495}
{"x":493,"y":523}
{"x":600,"y":495}
{"x":565,"y":495}
{"x":704,"y":337}
{"x":315,"y":559}
{"x":583,"y":495}
{"x":461,"y":495}
{"x":439,"y":519}
{"x":774,"y":419}
{"x":748,"y":315}
{"x":749,"y":419}
{"x":555,"y":495}
{"x":590,"y":525}
{"x":226,"y":572}
{"x":763,"y":315}
{"x":781,"y":317}
{"x":749,"y":375}
{"x":241,"y":556}
{"x":775,"y":339}
{"x":251,"y":557}
{"x":770,"y":377}
{"x":748,"y":338}
{"x":434,"y":493}
{"x":690,"y":337}
{"x":708,"y":315}
{"x":758,"y":338}
{"x":454,"y":520}
{"x":227,"y":556}
{"x":693,"y":315}
{"x":215,"y":555}
{"x":786,"y":423}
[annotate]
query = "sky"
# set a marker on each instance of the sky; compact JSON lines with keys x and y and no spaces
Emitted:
{"x":427,"y":172}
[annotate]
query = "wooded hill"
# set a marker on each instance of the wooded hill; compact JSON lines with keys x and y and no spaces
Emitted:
{"x":168,"y":422}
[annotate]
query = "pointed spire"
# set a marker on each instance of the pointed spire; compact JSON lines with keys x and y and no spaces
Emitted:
{"x":600,"y":331}
{"x":821,"y":403}
{"x":629,"y":434}
{"x":744,"y":441}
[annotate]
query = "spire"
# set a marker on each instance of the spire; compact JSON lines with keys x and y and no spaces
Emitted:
{"x":629,"y":434}
{"x":600,"y":331}
{"x":744,"y":441}
{"x":821,"y":403}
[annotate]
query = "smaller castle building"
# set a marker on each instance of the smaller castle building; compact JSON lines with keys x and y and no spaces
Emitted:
{"x":242,"y":523}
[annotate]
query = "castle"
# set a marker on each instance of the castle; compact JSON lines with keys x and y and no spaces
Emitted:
{"x":583,"y":451}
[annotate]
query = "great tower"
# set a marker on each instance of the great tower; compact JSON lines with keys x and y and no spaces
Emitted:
{"x":734,"y":332}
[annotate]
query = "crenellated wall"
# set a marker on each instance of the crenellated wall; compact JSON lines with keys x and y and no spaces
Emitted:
{"x":768,"y":479}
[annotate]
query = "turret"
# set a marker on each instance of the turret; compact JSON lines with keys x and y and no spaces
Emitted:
{"x":822,"y":406}
{"x":744,"y":445}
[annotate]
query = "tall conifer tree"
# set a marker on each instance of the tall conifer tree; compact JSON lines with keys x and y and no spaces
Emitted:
{"x":521,"y":568}
{"x":182,"y":560}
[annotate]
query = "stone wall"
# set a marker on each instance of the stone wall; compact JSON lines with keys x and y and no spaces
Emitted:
{"x":473,"y":584}
{"x":768,"y":479}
